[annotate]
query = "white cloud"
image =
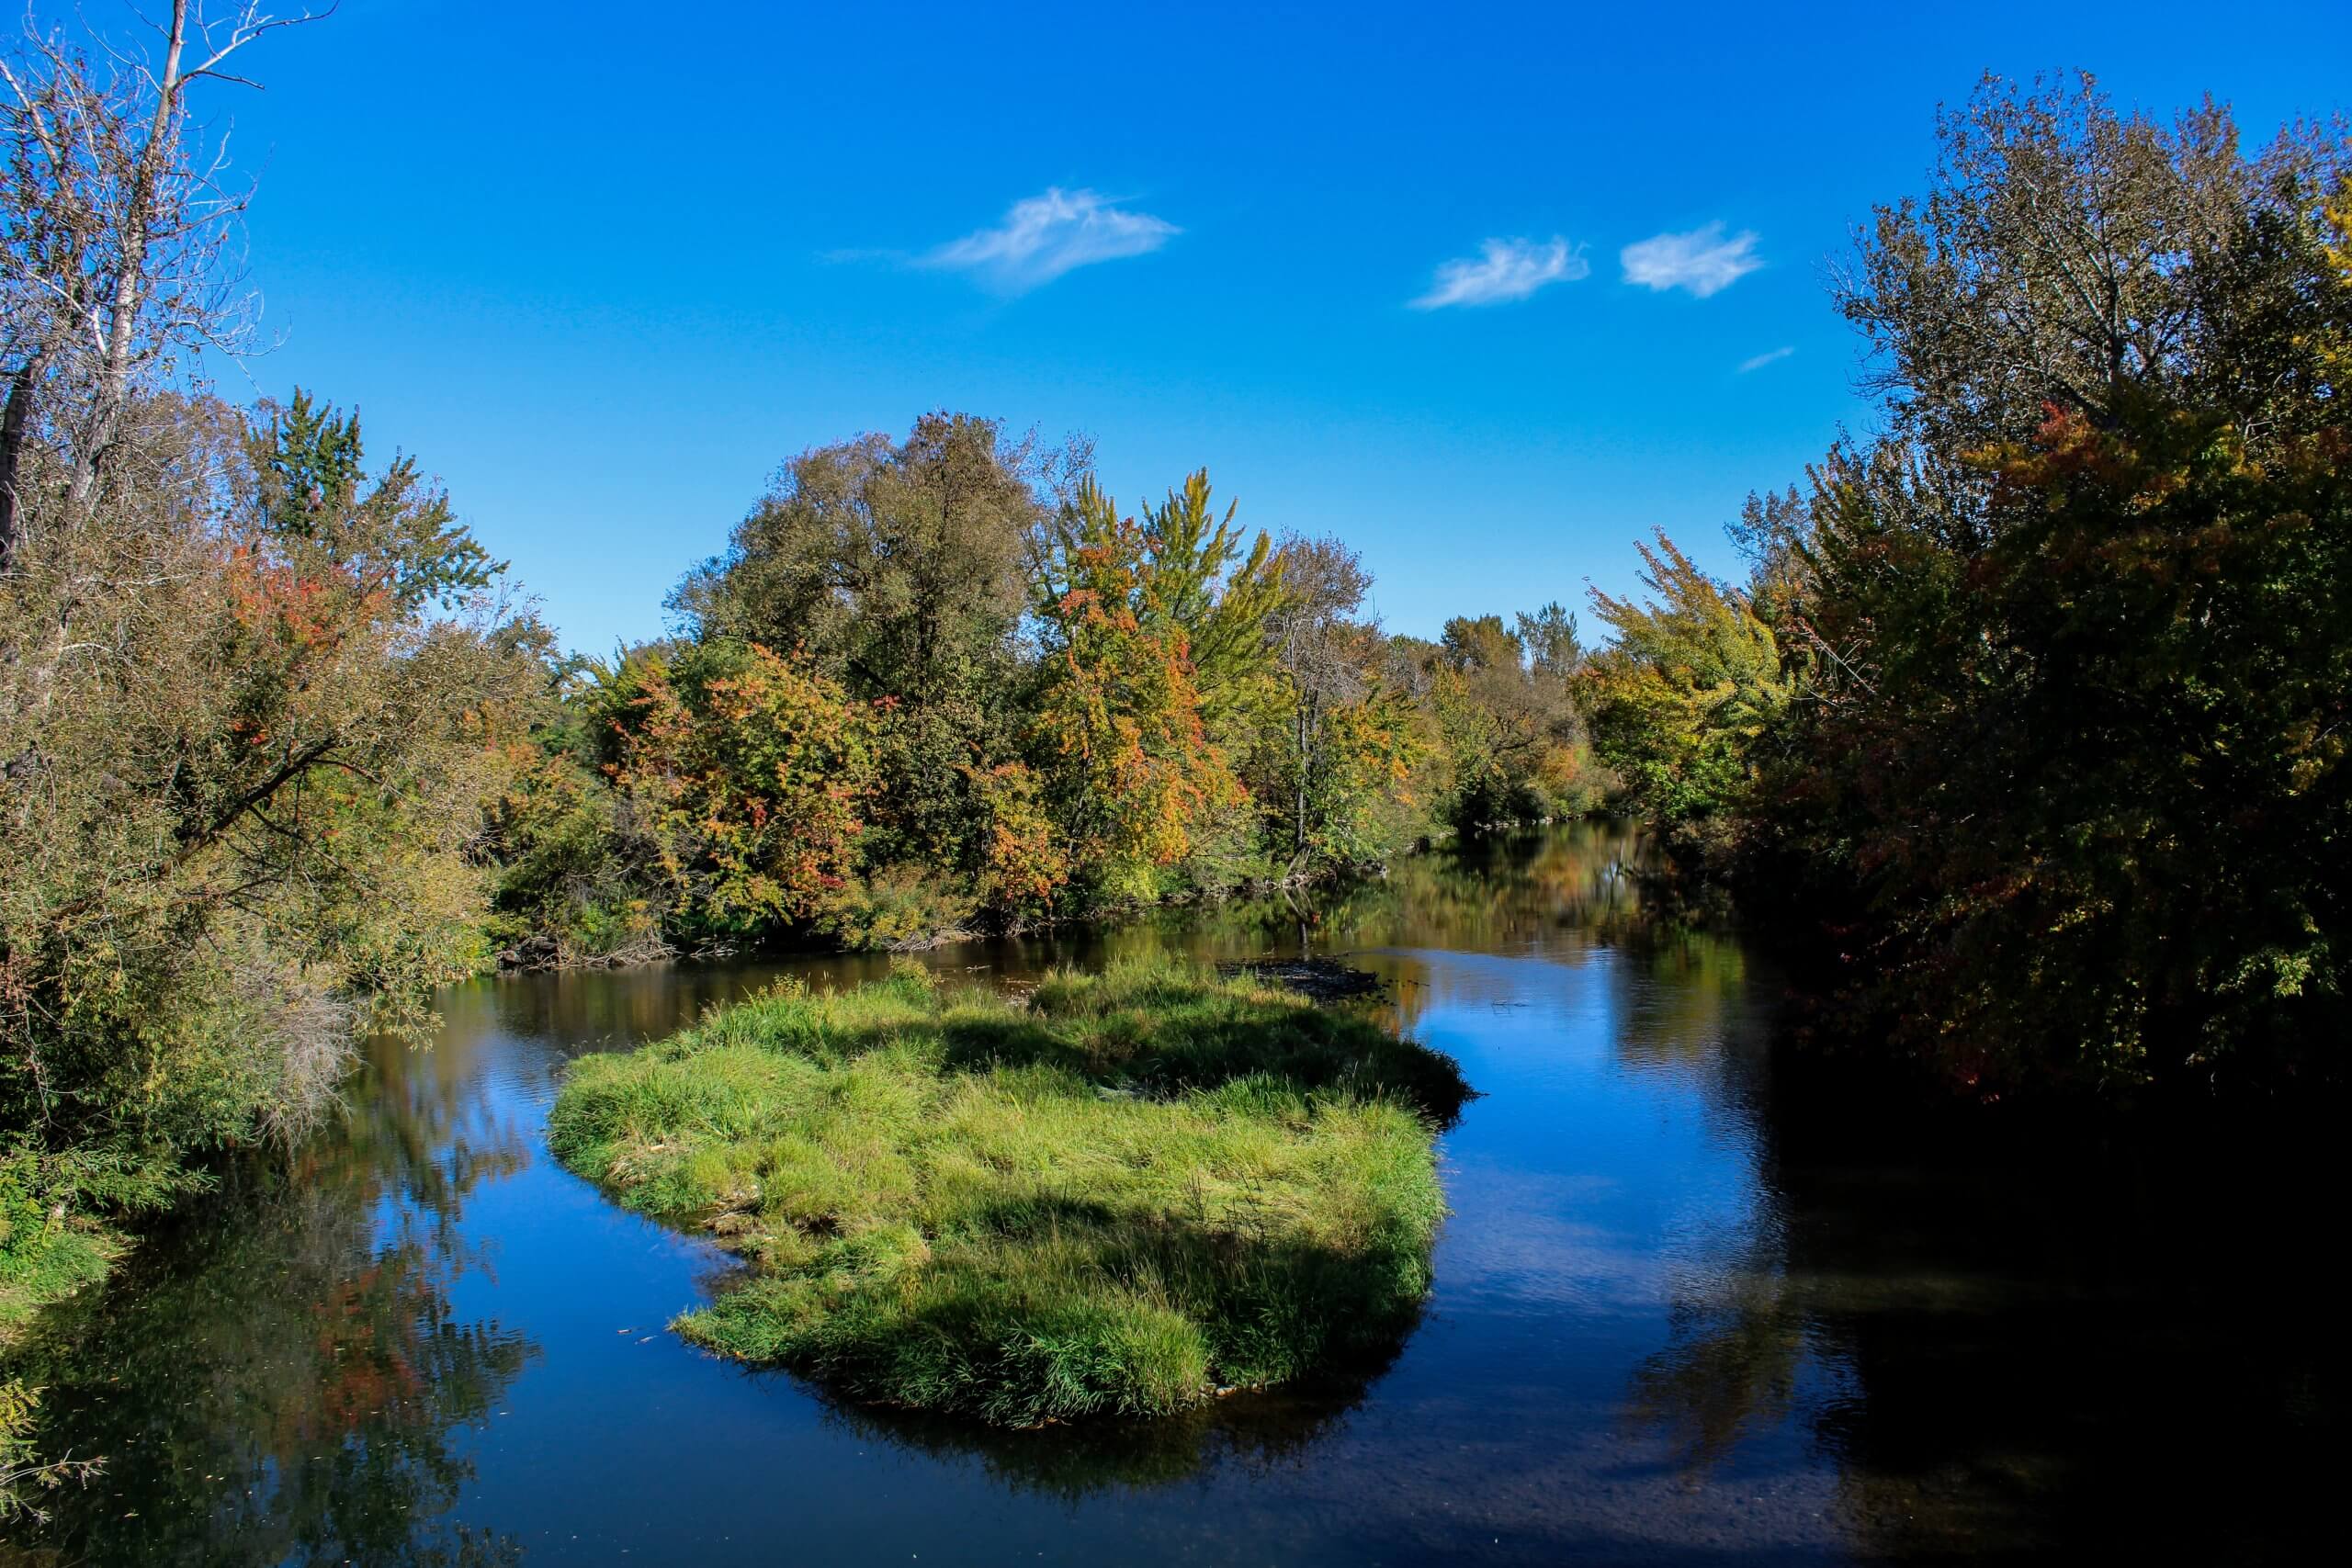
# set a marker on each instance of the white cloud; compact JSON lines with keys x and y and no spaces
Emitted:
{"x":1048,"y":235}
{"x":1702,"y":261}
{"x":1504,"y":270}
{"x":1761,"y":360}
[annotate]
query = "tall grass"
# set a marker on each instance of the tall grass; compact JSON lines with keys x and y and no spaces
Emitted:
{"x":1134,"y":1191}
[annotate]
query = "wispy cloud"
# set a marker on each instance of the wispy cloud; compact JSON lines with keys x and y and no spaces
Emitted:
{"x":1050,"y":234}
{"x":1702,"y":261}
{"x":1504,"y":270}
{"x":1763,"y":359}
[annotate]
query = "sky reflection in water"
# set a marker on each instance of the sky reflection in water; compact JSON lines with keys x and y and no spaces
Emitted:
{"x":1672,"y":1324}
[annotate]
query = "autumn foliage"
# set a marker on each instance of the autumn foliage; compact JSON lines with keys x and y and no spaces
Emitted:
{"x":2026,"y":733}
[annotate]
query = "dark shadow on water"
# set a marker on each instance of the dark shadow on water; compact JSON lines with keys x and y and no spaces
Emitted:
{"x":2124,"y":1347}
{"x":1251,"y":1432}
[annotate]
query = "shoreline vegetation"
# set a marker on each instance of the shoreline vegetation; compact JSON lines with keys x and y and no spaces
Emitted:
{"x":1124,"y":1193}
{"x":542,"y":953}
{"x":2024,"y":734}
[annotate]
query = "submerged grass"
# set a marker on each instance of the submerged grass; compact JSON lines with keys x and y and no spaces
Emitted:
{"x":1125,"y":1193}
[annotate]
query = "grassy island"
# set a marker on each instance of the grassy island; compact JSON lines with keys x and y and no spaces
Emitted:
{"x":1124,"y":1193}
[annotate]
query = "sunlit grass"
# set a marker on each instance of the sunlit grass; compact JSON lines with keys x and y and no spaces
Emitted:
{"x":1132,"y":1192}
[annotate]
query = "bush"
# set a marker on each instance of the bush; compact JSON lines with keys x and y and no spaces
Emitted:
{"x":896,"y":907}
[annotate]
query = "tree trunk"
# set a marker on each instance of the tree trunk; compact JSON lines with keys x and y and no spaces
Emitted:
{"x":14,"y":423}
{"x":1299,"y":838}
{"x":113,"y":391}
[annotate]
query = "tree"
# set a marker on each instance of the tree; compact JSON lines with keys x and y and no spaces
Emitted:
{"x":114,"y":260}
{"x":1551,"y":642}
{"x":401,"y":538}
{"x":2070,"y":255}
{"x":1345,"y":749}
{"x":895,"y":567}
{"x":755,"y":773}
{"x":2057,"y":784}
{"x":896,"y":570}
{"x":1120,"y":724}
{"x":1203,"y":586}
{"x":242,"y":773}
{"x":1677,"y":702}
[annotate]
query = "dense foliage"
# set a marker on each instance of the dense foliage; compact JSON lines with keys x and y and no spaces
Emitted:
{"x":2029,"y":721}
{"x":947,"y":682}
{"x":1136,"y":1190}
{"x":252,"y":699}
{"x":2026,"y":728}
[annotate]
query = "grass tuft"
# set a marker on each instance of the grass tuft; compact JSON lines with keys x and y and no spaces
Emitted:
{"x":1134,"y":1190}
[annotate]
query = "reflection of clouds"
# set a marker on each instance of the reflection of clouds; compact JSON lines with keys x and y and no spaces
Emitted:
{"x":1515,"y":1240}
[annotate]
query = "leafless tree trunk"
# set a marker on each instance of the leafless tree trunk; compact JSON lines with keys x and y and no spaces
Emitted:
{"x":118,"y":231}
{"x":1326,"y":584}
{"x":14,"y":420}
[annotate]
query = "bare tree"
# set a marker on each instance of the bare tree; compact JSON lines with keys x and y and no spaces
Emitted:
{"x":120,"y":223}
{"x":1318,"y":646}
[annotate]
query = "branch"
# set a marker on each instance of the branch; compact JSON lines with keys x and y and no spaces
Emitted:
{"x":247,"y":28}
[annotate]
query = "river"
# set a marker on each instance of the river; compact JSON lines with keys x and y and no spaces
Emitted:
{"x":1678,"y":1318}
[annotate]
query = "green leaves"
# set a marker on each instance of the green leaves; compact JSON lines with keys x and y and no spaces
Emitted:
{"x":397,"y":538}
{"x":1692,"y":682}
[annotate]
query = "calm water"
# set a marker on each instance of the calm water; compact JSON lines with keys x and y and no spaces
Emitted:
{"x":1683,"y":1314}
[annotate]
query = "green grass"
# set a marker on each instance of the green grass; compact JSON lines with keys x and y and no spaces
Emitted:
{"x":1131,"y":1192}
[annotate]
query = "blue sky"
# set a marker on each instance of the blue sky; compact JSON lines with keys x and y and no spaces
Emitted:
{"x":603,"y":266}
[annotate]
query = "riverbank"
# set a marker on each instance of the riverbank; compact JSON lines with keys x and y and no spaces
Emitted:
{"x":45,"y":1256}
{"x":1126,"y":1194}
{"x":548,"y":951}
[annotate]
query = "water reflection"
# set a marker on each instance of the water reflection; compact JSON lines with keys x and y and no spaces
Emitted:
{"x":1245,"y":1436}
{"x":1689,"y":1308}
{"x":283,"y":1376}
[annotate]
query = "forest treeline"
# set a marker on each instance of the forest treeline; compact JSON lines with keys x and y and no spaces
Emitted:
{"x":2024,"y":727}
{"x":281,"y":748}
{"x":946,"y":682}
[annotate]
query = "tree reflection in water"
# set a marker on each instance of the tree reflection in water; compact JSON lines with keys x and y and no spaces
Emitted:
{"x":284,"y":1375}
{"x":1690,"y":1307}
{"x":2009,"y":1341}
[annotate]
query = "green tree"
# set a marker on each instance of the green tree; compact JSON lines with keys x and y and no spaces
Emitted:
{"x":396,"y":534}
{"x":1678,"y":700}
{"x":1205,"y":585}
{"x":1120,"y":726}
{"x":896,"y":570}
